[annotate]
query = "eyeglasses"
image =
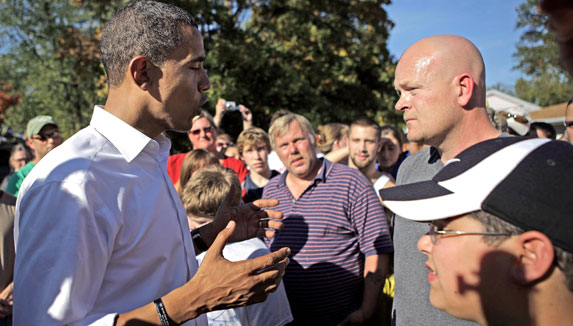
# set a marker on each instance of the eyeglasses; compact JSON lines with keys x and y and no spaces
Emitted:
{"x":196,"y":132}
{"x":568,"y":124}
{"x":224,"y":145}
{"x":434,"y":232}
{"x":516,"y":117}
{"x":46,"y":136}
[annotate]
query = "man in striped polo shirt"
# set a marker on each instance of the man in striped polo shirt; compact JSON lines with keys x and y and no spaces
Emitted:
{"x":335,"y":227}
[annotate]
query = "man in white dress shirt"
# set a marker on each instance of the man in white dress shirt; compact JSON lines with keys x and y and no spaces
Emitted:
{"x":102,"y":237}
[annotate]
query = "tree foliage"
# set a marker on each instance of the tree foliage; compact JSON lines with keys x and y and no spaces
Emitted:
{"x":327,"y":60}
{"x":538,"y":54}
{"x":50,"y":54}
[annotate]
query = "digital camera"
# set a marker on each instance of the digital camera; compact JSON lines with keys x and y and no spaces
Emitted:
{"x":231,"y":106}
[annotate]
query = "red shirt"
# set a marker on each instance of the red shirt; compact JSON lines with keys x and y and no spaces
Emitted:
{"x":174,"y":163}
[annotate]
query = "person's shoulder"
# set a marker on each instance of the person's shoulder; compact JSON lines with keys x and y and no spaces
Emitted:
{"x":346,"y":173}
{"x":71,"y":160}
{"x":419,"y":165}
{"x":23,"y":172}
{"x":231,"y":161}
{"x":381,"y":181}
{"x":176,"y":158}
{"x":247,"y":249}
{"x":275,"y":180}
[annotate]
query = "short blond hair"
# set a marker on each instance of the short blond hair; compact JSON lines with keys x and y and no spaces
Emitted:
{"x":281,"y":125}
{"x":207,"y":189}
{"x":253,"y":137}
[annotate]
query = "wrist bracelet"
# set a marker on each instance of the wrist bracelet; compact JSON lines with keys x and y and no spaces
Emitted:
{"x":161,"y":311}
{"x":198,"y":241}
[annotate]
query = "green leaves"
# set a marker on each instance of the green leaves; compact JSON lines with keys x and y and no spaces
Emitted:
{"x":327,"y":60}
{"x":538,"y":56}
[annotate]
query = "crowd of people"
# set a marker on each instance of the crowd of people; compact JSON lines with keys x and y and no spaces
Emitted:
{"x":465,"y":219}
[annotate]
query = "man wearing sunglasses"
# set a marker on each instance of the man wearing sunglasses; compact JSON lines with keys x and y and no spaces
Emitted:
{"x":43,"y":135}
{"x":499,"y":248}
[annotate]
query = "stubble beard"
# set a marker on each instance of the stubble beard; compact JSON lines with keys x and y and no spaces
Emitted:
{"x":361,"y":165}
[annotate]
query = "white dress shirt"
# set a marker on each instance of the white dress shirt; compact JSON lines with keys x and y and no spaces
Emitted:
{"x":99,"y":229}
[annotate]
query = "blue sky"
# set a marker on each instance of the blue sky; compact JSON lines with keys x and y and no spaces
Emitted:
{"x":489,"y":24}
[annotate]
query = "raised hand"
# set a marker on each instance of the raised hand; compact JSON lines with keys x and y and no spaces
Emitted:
{"x":252,"y":221}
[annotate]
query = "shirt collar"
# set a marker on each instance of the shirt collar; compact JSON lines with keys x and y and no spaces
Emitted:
{"x":129,"y":141}
{"x":324,"y":170}
{"x":320,"y":176}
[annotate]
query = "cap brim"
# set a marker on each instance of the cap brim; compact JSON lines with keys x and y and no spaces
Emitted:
{"x":428,"y":201}
{"x":463,"y":184}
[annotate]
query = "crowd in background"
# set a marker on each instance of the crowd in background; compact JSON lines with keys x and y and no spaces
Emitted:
{"x":341,"y":188}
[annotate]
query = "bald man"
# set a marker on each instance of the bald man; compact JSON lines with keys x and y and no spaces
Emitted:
{"x":441,"y":84}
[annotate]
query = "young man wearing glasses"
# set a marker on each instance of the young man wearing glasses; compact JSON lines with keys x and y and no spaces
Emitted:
{"x":43,"y":135}
{"x":500,"y":242}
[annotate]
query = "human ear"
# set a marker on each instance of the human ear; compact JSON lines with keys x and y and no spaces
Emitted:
{"x":466,"y":86}
{"x":535,"y":257}
{"x":139,"y":72}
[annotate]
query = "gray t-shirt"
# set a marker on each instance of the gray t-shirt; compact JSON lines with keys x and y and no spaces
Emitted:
{"x":412,"y":297}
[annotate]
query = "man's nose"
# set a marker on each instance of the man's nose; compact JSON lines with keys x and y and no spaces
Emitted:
{"x":204,"y":83}
{"x":292,"y":149}
{"x":401,"y":105}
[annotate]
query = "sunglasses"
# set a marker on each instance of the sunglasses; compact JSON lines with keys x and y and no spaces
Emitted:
{"x":516,"y":117}
{"x":568,"y":124}
{"x":196,"y":132}
{"x":45,"y":137}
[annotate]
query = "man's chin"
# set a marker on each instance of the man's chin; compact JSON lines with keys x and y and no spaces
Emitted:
{"x":360,"y":164}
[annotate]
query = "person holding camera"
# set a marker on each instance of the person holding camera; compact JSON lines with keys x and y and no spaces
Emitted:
{"x":223,"y":106}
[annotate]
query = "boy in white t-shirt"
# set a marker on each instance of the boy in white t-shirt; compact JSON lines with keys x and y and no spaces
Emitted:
{"x":202,"y":195}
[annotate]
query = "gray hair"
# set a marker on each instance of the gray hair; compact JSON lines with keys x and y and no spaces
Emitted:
{"x":141,"y":28}
{"x":492,"y":223}
{"x":281,"y":125}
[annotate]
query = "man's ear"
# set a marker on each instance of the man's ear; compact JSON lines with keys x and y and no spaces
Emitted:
{"x":140,"y":72}
{"x":535,"y":257}
{"x":466,"y":86}
{"x":30,"y":144}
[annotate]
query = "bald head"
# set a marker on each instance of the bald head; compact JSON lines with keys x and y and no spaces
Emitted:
{"x":443,"y":58}
{"x":441,"y":83}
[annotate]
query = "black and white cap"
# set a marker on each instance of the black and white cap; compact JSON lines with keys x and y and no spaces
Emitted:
{"x":527,"y":182}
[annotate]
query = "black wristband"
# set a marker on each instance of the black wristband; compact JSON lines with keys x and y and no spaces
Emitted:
{"x":161,"y":311}
{"x":198,"y":241}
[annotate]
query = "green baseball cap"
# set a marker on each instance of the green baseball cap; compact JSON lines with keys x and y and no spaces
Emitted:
{"x":37,"y":123}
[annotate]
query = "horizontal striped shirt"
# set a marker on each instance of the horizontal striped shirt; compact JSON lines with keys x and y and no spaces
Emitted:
{"x":330,"y":228}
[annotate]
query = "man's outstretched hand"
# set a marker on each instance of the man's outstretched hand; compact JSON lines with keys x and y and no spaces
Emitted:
{"x":252,"y":219}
